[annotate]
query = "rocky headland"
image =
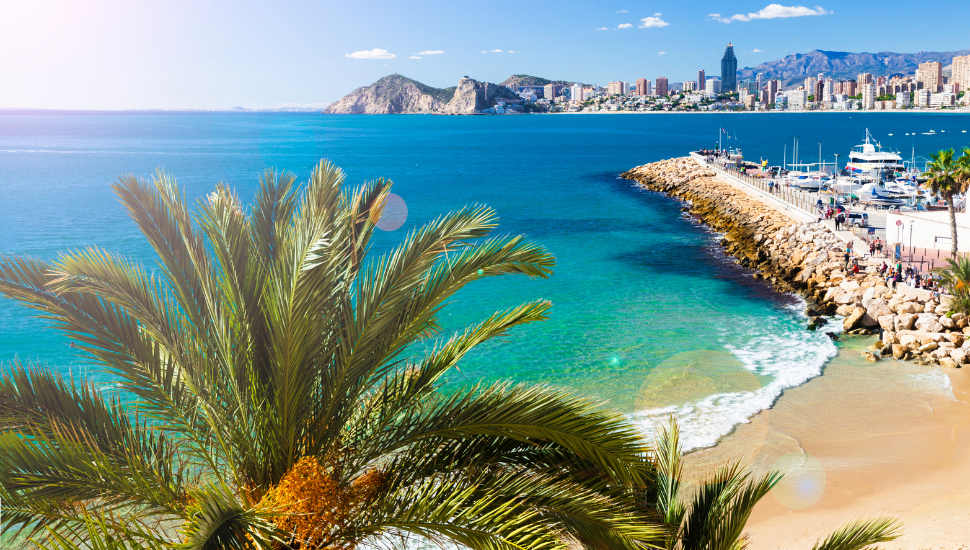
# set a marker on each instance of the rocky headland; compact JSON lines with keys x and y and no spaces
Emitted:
{"x":808,"y":259}
{"x":396,"y":94}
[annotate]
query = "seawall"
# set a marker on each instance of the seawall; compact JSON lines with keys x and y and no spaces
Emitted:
{"x":807,"y":258}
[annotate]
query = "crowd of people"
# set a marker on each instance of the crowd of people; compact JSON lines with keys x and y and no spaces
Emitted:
{"x":911,"y":276}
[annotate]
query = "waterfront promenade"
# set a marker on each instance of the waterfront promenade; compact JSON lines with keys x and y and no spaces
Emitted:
{"x":799,"y":205}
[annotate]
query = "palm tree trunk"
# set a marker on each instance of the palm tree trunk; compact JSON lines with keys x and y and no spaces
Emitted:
{"x":953,"y":226}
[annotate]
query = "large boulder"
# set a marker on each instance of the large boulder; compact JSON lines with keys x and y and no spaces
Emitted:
{"x":947,"y":322}
{"x":854,"y":319}
{"x":905,"y":308}
{"x":886,"y":322}
{"x":904,"y":322}
{"x":899,"y":351}
{"x":849,"y":286}
{"x":959,"y":356}
{"x":928,"y":322}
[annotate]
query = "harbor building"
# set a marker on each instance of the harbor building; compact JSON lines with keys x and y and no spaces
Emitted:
{"x":729,"y":70}
{"x":930,"y":74}
{"x":662,"y":90}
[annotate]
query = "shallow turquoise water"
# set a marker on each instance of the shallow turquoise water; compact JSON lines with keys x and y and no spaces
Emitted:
{"x":637,"y":284}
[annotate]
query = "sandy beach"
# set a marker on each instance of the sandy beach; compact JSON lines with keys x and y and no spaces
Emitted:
{"x":865,"y":438}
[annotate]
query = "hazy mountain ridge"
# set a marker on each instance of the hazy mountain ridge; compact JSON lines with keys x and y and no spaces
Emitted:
{"x":397,"y":94}
{"x":844,"y":65}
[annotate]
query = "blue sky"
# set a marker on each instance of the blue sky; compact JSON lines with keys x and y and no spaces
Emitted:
{"x":218,"y":54}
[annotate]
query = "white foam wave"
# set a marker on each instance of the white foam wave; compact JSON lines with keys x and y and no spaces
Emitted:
{"x":788,"y":355}
{"x":934,"y":381}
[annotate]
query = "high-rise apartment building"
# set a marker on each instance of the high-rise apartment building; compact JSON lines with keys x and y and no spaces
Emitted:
{"x":868,"y":96}
{"x":864,"y":78}
{"x":819,"y":90}
{"x":729,"y":70}
{"x":701,"y":80}
{"x":662,"y":90}
{"x":614,"y":88}
{"x":643,"y":87}
{"x":880,"y":81}
{"x":931,"y":75}
{"x":810,"y":85}
{"x":576,"y":92}
{"x":961,"y":72}
{"x":550,"y":91}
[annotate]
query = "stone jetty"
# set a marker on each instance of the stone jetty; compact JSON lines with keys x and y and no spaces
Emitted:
{"x":808,"y":259}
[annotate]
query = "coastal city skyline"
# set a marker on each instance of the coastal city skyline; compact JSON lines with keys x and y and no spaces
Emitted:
{"x":216,"y":56}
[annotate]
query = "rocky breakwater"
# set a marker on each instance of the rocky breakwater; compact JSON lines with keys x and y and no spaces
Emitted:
{"x":808,"y":259}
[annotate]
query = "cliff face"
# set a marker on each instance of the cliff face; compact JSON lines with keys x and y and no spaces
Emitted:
{"x":396,"y":94}
{"x":844,"y":65}
{"x":392,"y":95}
{"x":473,"y":97}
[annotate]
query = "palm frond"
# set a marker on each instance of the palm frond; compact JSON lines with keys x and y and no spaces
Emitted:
{"x":861,"y":534}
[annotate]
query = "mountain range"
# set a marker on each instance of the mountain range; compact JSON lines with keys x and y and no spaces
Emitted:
{"x":844,"y":65}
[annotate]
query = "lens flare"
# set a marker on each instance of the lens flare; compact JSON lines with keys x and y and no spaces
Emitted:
{"x":394,"y":215}
{"x":804,"y":481}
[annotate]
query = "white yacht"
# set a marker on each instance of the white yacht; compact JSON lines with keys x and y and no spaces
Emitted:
{"x":870,"y":160}
{"x":873,"y":195}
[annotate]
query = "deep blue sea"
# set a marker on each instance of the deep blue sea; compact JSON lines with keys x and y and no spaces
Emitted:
{"x":648,"y":315}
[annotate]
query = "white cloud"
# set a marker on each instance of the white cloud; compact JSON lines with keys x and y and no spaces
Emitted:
{"x":652,"y":22}
{"x":622,"y":11}
{"x":602,"y":29}
{"x":495,"y":51}
{"x":376,"y":53}
{"x":624,"y":26}
{"x":483,"y":51}
{"x":430,"y":52}
{"x":756,"y":50}
{"x":772,"y":11}
{"x":510,"y":51}
{"x":662,"y":53}
{"x":658,"y":14}
{"x":414,"y":57}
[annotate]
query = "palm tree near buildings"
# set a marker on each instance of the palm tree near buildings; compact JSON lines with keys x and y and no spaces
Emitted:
{"x":278,"y":389}
{"x":949,"y":176}
{"x":714,"y":516}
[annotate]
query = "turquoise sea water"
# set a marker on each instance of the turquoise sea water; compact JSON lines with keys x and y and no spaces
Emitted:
{"x":648,"y":314}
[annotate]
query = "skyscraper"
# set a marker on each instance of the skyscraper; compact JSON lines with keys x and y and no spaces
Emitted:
{"x":643,"y":87}
{"x":662,"y":86}
{"x":961,"y":72}
{"x":931,"y":75}
{"x":729,"y":70}
{"x":701,"y":80}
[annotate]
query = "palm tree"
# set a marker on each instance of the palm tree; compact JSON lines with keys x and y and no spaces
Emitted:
{"x":715,"y":516}
{"x":947,"y":178}
{"x":279,"y":390}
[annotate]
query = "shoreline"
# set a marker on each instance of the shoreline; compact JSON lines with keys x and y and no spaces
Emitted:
{"x":865,"y":436}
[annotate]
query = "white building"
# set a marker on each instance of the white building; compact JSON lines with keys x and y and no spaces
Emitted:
{"x":927,"y":230}
{"x":712,"y":87}
{"x":902,"y":100}
{"x":576,"y":92}
{"x":868,"y":96}
{"x":942,"y":100}
{"x":796,"y":98}
{"x":922,"y":97}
